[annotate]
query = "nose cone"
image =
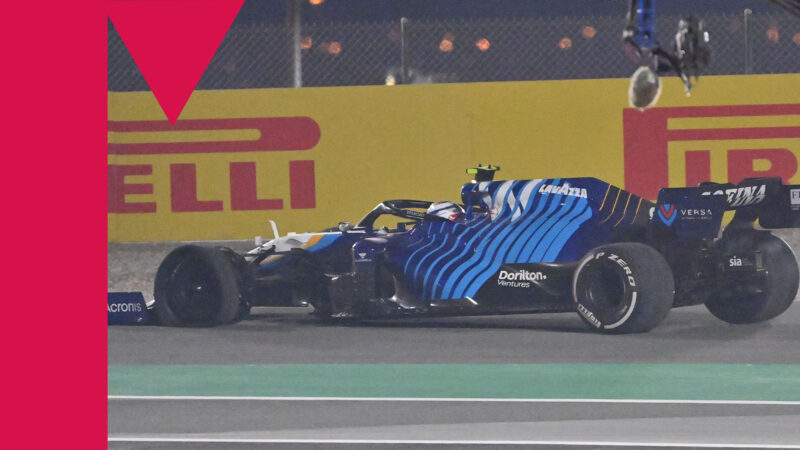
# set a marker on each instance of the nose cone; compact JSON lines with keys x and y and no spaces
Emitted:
{"x":645,"y":88}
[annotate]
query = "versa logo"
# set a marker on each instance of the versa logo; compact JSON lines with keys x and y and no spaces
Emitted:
{"x":683,"y":146}
{"x":667,"y":213}
{"x":211,"y":136}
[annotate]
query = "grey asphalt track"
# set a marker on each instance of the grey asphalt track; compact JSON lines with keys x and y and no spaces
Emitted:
{"x":464,"y":422}
{"x":291,"y":335}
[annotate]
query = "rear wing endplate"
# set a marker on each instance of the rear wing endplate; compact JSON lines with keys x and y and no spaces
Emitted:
{"x":698,"y":211}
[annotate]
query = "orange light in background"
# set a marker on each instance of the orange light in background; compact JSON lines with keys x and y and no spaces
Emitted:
{"x":306,"y":43}
{"x":565,"y":43}
{"x":588,"y":32}
{"x":334,"y":48}
{"x":446,"y":43}
{"x":316,"y":2}
{"x":773,"y":35}
{"x":796,"y":38}
{"x":483,"y":44}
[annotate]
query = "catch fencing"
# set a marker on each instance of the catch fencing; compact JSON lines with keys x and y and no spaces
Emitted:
{"x":514,"y":49}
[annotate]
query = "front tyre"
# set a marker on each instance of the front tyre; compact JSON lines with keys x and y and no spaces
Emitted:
{"x":197,"y":286}
{"x":623,"y":288}
{"x":764,"y":294}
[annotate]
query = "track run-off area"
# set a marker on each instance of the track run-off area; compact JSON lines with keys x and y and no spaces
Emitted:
{"x":282,"y":379}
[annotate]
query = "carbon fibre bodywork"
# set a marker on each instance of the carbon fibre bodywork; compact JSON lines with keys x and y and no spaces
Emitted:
{"x":515,"y":246}
{"x":514,"y":250}
{"x":519,"y":222}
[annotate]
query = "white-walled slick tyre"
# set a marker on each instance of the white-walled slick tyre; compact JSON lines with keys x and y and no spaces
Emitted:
{"x":623,"y":288}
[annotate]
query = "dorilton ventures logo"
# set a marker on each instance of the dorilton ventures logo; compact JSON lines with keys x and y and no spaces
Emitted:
{"x":211,"y":136}
{"x":519,"y":278}
{"x":683,"y":146}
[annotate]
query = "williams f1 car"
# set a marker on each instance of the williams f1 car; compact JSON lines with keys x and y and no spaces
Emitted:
{"x":517,"y":246}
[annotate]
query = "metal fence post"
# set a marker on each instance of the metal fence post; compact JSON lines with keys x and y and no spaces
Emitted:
{"x":748,"y":51}
{"x":293,"y":17}
{"x":403,"y":45}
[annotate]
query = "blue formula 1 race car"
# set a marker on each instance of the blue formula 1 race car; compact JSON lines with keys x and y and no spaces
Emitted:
{"x":517,"y":246}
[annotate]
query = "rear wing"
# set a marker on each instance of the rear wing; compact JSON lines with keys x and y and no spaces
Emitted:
{"x":697,"y":211}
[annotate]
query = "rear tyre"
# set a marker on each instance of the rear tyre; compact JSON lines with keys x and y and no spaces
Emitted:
{"x":197,"y":286}
{"x":761,"y":296}
{"x":623,"y":288}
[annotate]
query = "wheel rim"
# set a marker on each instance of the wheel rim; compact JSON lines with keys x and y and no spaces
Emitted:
{"x":752,"y":288}
{"x":602,"y":291}
{"x":194,"y":293}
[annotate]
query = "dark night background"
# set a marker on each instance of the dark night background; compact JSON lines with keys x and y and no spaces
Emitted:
{"x":358,"y":42}
{"x":261,"y":11}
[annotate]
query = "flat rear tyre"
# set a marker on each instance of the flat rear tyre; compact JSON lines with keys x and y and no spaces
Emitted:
{"x":763,"y":296}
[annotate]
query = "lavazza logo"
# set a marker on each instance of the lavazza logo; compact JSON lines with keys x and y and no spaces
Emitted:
{"x":519,"y":278}
{"x":124,"y":307}
{"x":564,"y":189}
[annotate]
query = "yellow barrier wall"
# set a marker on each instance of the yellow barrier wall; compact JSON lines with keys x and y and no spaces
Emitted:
{"x":309,"y":158}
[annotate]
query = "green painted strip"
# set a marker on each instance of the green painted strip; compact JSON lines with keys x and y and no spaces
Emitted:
{"x":613,"y":381}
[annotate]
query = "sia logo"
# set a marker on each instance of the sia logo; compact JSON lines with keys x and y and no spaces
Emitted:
{"x":684,"y":144}
{"x":667,"y":213}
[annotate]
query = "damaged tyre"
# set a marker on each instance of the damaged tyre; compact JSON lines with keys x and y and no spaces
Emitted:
{"x":762,"y":293}
{"x":197,"y":286}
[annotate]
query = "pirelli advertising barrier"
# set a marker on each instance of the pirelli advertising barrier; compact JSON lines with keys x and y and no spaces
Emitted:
{"x":310,"y":158}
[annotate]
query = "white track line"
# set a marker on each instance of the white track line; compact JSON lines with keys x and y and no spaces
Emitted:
{"x":448,"y":399}
{"x":445,"y":442}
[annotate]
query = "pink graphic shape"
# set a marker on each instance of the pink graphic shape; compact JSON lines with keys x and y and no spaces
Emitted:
{"x":172,"y":42}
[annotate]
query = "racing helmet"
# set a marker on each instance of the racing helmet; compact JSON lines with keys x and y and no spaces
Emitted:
{"x":445,"y":210}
